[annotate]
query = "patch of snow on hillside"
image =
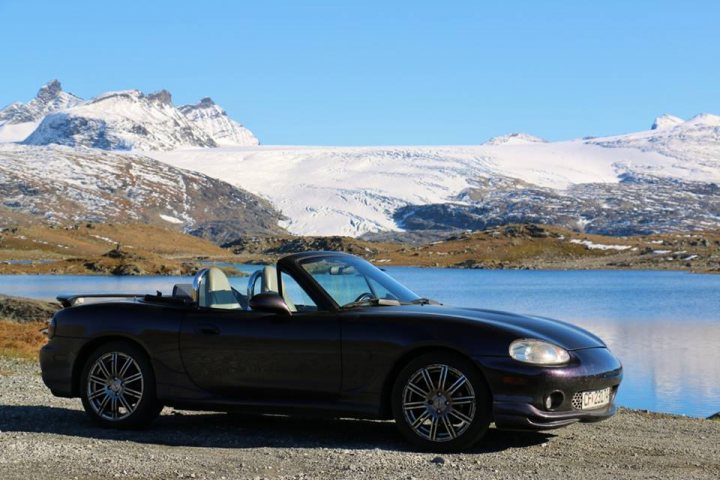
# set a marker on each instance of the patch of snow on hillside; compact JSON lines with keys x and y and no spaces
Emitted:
{"x":170,"y":219}
{"x":16,"y":132}
{"x":599,"y":246}
{"x":104,"y":239}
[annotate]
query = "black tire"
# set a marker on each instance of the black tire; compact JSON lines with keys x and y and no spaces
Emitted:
{"x":138,"y":394}
{"x":409,"y":406}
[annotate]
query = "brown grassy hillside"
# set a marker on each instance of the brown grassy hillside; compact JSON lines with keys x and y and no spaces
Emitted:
{"x":515,"y":246}
{"x":101,"y":248}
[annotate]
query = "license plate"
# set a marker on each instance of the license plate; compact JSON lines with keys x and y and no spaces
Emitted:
{"x":595,"y":398}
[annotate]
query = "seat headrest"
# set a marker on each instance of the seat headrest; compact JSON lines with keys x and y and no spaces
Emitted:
{"x":214,"y":289}
{"x":217,"y":280}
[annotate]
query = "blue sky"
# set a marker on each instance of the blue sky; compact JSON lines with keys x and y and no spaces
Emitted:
{"x":381,"y":72}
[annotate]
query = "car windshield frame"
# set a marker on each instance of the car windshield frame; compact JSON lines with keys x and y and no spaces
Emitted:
{"x":361,"y":267}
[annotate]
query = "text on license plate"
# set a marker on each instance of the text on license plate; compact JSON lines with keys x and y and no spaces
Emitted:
{"x":595,"y":398}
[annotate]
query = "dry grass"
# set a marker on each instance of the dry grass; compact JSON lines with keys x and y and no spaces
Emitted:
{"x":22,"y":340}
{"x":39,"y":241}
{"x":82,"y":249}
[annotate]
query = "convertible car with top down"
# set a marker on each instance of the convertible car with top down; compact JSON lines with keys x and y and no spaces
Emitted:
{"x":331,"y":334}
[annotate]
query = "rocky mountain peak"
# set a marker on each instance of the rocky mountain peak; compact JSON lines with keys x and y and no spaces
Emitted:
{"x":206,"y":102}
{"x":18,"y":119}
{"x":211,"y":118}
{"x":49,"y":91}
{"x":163,"y":97}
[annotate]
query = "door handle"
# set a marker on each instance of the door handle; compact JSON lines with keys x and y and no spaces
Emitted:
{"x":208,"y":330}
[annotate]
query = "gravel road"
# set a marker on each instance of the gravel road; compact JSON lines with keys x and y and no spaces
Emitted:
{"x":46,"y":437}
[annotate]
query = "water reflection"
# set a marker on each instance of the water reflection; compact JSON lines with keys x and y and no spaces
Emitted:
{"x":669,"y":366}
{"x":664,"y":326}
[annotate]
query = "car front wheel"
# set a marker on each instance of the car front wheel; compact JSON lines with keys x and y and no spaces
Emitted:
{"x":441,"y":402}
{"x":118,"y":387}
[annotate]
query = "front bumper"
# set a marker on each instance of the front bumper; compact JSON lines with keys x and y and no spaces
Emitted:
{"x":519,"y":390}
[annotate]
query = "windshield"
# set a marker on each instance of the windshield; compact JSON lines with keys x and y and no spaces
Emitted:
{"x":350,"y":279}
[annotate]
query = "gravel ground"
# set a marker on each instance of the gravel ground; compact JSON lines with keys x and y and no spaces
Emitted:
{"x":46,"y":437}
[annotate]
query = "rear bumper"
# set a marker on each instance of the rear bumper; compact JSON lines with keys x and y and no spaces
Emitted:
{"x":519,"y":391}
{"x":57,"y":358}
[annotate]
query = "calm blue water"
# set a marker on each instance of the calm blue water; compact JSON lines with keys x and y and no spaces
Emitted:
{"x":664,"y":326}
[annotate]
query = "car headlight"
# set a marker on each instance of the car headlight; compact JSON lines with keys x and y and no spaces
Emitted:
{"x":538,"y":352}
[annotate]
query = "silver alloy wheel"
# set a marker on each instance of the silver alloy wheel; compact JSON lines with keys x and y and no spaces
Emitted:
{"x":115,"y":386}
{"x":439,"y":403}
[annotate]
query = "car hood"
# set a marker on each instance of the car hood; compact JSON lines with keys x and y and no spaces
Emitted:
{"x":563,"y":334}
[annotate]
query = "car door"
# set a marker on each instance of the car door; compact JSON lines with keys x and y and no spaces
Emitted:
{"x":248,"y":354}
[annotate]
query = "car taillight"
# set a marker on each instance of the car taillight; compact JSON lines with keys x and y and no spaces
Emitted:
{"x":51,"y":328}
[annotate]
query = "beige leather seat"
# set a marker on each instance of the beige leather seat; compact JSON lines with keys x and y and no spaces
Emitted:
{"x":270,"y":284}
{"x":214,"y":290}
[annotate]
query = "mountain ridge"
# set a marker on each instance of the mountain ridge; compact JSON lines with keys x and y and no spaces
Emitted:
{"x":119,"y":120}
{"x":658,"y":180}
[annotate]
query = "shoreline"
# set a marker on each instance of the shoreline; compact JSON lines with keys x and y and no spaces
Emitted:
{"x":270,"y":261}
{"x":142,"y":249}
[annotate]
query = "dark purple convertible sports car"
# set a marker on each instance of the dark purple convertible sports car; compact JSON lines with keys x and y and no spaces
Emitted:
{"x":332,"y":334}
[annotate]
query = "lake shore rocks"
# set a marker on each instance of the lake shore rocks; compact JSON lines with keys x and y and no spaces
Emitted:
{"x":22,"y":310}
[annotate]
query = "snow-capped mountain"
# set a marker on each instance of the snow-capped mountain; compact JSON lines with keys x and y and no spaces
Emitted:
{"x":514,"y":139}
{"x":123,"y":120}
{"x":657,"y":180}
{"x":222,"y":129}
{"x":666,"y":121}
{"x":58,"y":185}
{"x":18,"y":119}
{"x":662,"y":179}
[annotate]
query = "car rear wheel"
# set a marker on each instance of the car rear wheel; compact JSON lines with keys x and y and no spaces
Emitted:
{"x":118,"y":387}
{"x":441,"y":402}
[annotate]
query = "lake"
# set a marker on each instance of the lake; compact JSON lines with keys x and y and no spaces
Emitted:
{"x":664,"y":326}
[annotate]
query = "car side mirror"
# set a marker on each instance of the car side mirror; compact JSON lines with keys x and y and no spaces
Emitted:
{"x":270,"y":302}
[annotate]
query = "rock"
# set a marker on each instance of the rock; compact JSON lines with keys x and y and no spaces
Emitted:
{"x":536,"y":231}
{"x":22,"y":309}
{"x":120,"y":254}
{"x":163,"y":97}
{"x":438,"y":461}
{"x":128,"y":269}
